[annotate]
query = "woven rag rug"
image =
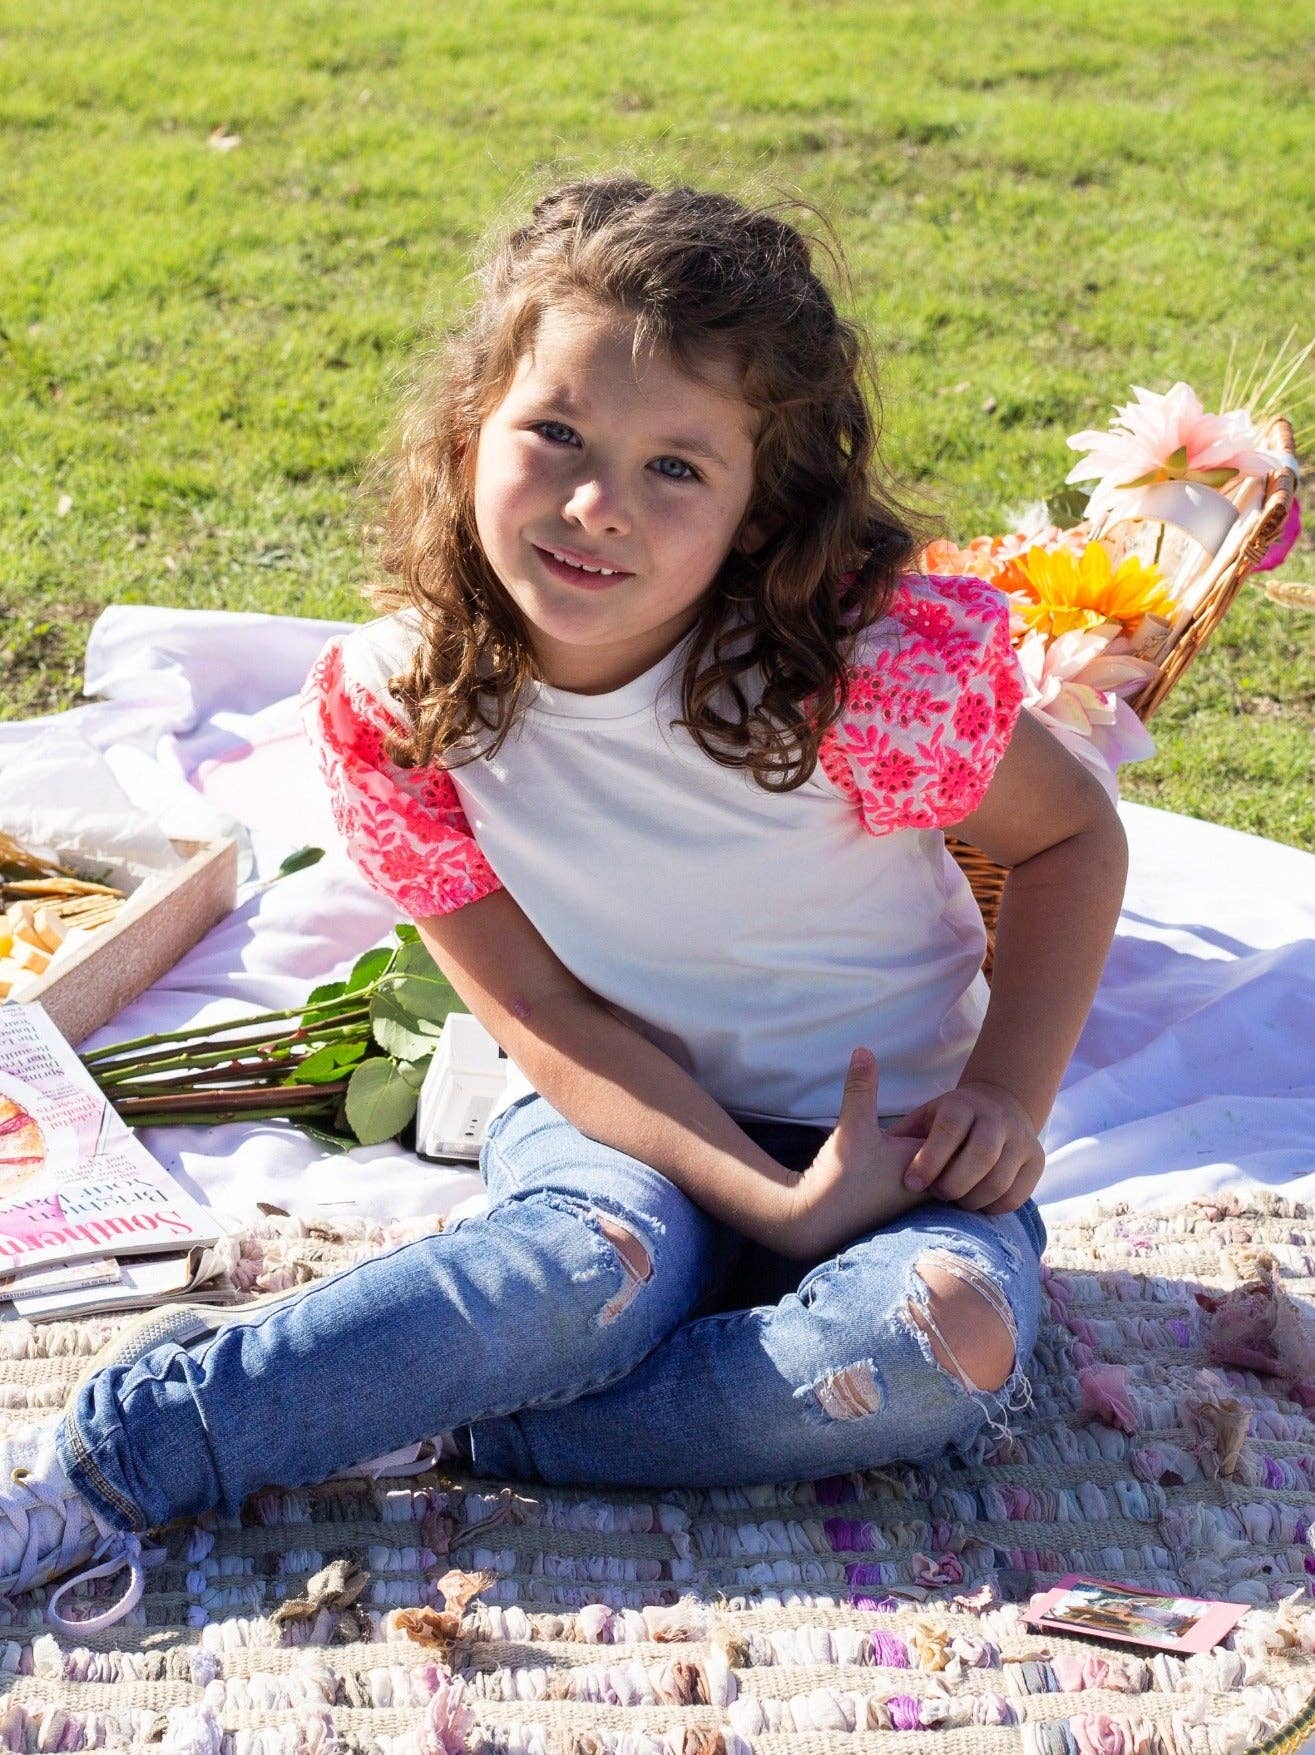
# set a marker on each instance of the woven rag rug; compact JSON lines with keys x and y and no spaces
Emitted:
{"x":1170,"y":1443}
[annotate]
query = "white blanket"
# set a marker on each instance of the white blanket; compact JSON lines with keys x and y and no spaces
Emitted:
{"x":1196,"y":1069}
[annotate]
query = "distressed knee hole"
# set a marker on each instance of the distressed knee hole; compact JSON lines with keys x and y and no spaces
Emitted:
{"x":850,"y":1393}
{"x":634,"y":1258}
{"x":966,"y":1321}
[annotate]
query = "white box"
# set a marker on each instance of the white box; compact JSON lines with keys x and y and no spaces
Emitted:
{"x":463,"y":1082}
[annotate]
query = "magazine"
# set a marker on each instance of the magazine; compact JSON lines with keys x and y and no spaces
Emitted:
{"x":98,"y":1286}
{"x":1102,"y":1608}
{"x":75,"y":1181}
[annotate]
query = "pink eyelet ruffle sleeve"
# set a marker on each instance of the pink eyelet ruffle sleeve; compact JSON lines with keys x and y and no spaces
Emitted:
{"x":932,"y":699}
{"x":403,"y":827}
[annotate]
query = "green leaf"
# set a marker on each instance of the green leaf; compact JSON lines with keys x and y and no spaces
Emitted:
{"x":336,"y":1142}
{"x":300,"y":860}
{"x":1215,"y":478}
{"x":380,"y":1102}
{"x":330,"y":990}
{"x":399,"y":1033}
{"x":413,"y":1071}
{"x":1150,"y":479}
{"x":406,"y":933}
{"x":329,"y":1063}
{"x":1068,"y":505}
{"x":419,"y":987}
{"x":367,"y":969}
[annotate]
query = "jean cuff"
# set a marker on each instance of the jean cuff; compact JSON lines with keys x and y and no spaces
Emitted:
{"x":78,"y":1462}
{"x":498,"y":1449}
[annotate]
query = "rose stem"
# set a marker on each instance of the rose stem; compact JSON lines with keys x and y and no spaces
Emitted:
{"x":349,"y":1001}
{"x":164,"y":1060}
{"x":221,"y":1117}
{"x":290,"y":1097}
{"x":254,"y":1078}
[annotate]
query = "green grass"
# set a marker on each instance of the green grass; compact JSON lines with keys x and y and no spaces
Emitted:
{"x":1043,"y":203}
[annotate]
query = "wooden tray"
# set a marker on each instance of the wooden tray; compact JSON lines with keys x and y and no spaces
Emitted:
{"x":121,"y":960}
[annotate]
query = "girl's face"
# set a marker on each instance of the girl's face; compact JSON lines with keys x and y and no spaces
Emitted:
{"x":595,"y":459}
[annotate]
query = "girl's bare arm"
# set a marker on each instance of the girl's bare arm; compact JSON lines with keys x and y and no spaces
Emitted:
{"x":620,"y":1089}
{"x":1047,"y":818}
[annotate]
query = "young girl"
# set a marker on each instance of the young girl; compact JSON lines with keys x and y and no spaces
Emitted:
{"x":657,"y":743}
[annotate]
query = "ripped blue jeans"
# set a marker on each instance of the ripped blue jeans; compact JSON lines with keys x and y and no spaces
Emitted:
{"x":780,"y":1370}
{"x":593,"y":1326}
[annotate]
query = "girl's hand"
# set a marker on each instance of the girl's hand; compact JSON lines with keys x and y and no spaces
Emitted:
{"x":854,"y":1184}
{"x":979,"y":1149}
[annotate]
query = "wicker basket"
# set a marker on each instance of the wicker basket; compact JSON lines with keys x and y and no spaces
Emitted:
{"x":1207,"y":583}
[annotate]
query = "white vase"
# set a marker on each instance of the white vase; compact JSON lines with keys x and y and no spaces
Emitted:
{"x":1203,"y":512}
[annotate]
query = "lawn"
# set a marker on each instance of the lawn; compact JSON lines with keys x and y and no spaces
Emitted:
{"x":1042,"y":205}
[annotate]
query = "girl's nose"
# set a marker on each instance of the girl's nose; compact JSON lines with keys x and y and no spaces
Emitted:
{"x":595,"y":505}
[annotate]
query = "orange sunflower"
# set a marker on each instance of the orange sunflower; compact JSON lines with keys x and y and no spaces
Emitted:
{"x":1057,"y":592}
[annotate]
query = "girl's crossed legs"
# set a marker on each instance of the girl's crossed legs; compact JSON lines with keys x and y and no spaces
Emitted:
{"x":788,"y":1371}
{"x":588,"y":1328}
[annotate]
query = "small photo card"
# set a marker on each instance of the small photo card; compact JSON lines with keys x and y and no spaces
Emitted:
{"x":1106,"y":1610}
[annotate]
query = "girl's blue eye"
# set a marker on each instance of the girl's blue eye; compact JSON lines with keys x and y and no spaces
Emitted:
{"x":691,"y":474}
{"x":549,"y":428}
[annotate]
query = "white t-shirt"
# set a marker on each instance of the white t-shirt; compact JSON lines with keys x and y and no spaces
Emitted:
{"x":756,"y":937}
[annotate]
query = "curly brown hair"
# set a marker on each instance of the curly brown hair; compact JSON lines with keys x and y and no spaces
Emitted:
{"x":703,"y":277}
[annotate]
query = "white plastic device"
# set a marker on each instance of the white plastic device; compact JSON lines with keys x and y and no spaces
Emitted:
{"x":464,"y":1079}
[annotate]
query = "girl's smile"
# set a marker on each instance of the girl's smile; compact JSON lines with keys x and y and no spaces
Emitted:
{"x":609,"y":488}
{"x":569,"y":564}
